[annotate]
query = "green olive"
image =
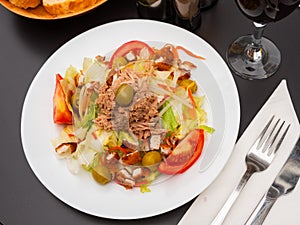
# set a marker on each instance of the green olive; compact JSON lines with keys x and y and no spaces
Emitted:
{"x":188,"y":84}
{"x":119,"y":61}
{"x":151,"y":158}
{"x":101,"y":174}
{"x":124,"y":95}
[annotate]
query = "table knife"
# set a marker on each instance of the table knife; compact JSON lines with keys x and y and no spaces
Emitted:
{"x":284,"y":183}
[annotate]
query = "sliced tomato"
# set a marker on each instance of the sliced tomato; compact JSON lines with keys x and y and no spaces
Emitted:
{"x":132,"y":46}
{"x":61,"y":112}
{"x":185,"y":154}
{"x":170,"y":170}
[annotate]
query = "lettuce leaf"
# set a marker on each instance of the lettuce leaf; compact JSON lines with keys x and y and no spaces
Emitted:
{"x":169,"y":121}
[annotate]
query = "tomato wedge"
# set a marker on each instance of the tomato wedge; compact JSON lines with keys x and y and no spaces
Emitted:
{"x":185,"y":154}
{"x":61,"y":112}
{"x":132,"y":46}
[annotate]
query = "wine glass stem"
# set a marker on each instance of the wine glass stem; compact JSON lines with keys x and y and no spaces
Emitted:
{"x":255,"y":51}
{"x":258,"y":32}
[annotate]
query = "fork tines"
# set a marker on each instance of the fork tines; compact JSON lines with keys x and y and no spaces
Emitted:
{"x":267,"y":140}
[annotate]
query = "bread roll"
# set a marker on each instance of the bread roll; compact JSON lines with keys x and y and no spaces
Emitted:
{"x":57,"y":7}
{"x":25,"y":3}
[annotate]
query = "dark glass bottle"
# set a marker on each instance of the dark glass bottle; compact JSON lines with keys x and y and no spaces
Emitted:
{"x":155,"y":9}
{"x":187,"y":13}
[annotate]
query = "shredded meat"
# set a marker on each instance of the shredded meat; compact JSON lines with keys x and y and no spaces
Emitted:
{"x":94,"y":86}
{"x":105,"y":103}
{"x":166,"y":54}
{"x":124,"y":76}
{"x":142,"y":116}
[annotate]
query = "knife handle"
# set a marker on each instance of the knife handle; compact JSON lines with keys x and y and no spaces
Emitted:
{"x":261,"y":211}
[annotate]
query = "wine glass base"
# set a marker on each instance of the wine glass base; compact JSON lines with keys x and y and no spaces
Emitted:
{"x":250,"y":69}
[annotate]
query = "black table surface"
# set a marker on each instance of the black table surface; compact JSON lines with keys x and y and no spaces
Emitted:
{"x":25,"y":44}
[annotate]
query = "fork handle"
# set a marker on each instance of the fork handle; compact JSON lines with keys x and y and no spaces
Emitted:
{"x":231,"y":199}
{"x":261,"y":211}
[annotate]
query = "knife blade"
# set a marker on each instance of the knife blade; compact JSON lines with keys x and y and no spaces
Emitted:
{"x":284,"y":183}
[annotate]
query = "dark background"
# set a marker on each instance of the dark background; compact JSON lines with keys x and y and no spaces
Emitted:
{"x":26,"y":44}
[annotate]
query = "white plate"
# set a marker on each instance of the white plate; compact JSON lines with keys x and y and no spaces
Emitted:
{"x":113,"y":201}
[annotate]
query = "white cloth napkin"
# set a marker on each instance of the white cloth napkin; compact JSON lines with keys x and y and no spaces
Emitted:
{"x":286,"y":209}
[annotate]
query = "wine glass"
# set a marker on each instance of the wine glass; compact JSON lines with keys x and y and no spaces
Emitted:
{"x":254,"y":56}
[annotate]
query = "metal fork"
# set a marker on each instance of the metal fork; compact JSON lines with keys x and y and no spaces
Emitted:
{"x":258,"y":158}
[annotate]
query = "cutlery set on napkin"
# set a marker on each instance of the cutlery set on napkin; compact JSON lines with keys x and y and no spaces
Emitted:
{"x":265,"y":164}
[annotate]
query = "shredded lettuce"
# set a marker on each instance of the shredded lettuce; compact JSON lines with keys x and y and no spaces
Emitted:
{"x":207,"y":129}
{"x":87,"y":62}
{"x":124,"y":136}
{"x":95,"y":71}
{"x":91,"y":112}
{"x":84,"y":109}
{"x":70,"y":75}
{"x":85,"y":155}
{"x":101,"y":139}
{"x":169,"y":121}
{"x":65,"y":136}
{"x":109,"y":138}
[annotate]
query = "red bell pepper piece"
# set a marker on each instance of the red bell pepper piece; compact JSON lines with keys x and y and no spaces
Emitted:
{"x":61,"y":112}
{"x":118,"y":148}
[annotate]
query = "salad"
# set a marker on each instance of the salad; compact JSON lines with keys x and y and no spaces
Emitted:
{"x":131,"y":117}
